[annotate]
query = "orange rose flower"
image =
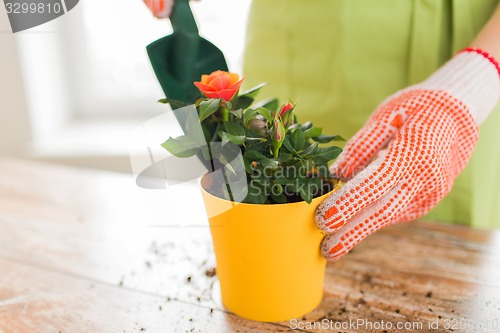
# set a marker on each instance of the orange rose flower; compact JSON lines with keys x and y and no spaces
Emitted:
{"x":220,"y":84}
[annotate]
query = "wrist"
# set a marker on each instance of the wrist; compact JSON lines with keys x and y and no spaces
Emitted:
{"x":483,"y":53}
{"x":473,"y":77}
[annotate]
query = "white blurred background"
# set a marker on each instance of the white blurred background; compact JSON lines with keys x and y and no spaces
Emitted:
{"x":73,"y":90}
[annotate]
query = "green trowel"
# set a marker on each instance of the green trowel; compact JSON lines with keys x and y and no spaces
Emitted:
{"x":181,"y":58}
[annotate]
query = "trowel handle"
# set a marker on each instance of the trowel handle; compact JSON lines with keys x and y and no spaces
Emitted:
{"x":182,"y":18}
{"x":186,"y":41}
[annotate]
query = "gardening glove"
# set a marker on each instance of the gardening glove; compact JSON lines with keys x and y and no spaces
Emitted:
{"x":160,"y":8}
{"x":407,"y":156}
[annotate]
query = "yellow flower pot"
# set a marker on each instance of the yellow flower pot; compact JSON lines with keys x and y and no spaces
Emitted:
{"x":268,"y":257}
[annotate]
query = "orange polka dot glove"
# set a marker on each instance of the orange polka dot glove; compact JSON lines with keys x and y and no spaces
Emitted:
{"x":407,"y":156}
{"x":160,"y":8}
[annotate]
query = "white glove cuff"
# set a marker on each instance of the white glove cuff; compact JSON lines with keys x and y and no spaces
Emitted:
{"x":470,"y":77}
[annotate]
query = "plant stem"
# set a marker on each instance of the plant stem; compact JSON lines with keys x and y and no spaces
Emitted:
{"x":225,"y":113}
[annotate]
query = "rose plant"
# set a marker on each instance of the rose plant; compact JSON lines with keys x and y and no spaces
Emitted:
{"x":285,"y":161}
{"x":269,"y":173}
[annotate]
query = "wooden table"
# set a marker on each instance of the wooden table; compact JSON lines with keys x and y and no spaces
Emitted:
{"x":88,"y":251}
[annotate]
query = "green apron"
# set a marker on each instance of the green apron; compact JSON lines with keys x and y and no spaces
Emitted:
{"x":338,"y":59}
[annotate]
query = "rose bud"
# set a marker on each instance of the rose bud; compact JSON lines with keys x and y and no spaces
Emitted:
{"x":277,"y":136}
{"x":258,"y":125}
{"x":288,"y":119}
{"x":286,"y":114}
{"x":288,"y":106}
{"x":220,"y":84}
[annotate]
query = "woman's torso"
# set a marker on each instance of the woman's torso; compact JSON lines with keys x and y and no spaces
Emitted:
{"x":338,"y":59}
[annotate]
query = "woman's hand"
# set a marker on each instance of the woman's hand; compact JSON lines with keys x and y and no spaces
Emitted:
{"x":407,"y":156}
{"x":160,"y":8}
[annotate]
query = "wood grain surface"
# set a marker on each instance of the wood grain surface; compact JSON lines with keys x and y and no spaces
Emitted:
{"x":88,"y":251}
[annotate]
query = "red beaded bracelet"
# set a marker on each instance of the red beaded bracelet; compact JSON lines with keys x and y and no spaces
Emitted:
{"x":484,"y":54}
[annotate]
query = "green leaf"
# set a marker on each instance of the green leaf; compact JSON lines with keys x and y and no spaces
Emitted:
{"x":307,"y":125}
{"x":315,"y":183}
{"x":265,"y":113}
{"x":307,"y":166}
{"x":237,"y":113}
{"x":198,"y":101}
{"x":269,"y":103}
{"x":174,"y":104}
{"x":277,"y":193}
{"x":269,"y":163}
{"x":326,"y":154}
{"x":248,"y":165}
{"x":305,"y":192}
{"x":234,"y":128}
{"x":323,"y":171}
{"x":312,"y":132}
{"x":208,"y":107}
{"x":285,"y":181}
{"x":256,"y":194}
{"x":281,"y":199}
{"x":327,"y":138}
{"x":289,"y":147}
{"x":242,"y":102}
{"x":309,"y":150}
{"x":262,"y":179}
{"x":208,"y":131}
{"x":248,"y":115}
{"x":183,"y":146}
{"x":252,"y":92}
{"x":253,"y":155}
{"x":283,"y":157}
{"x":276,"y":189}
{"x":298,"y":139}
{"x":236,"y":139}
{"x":288,"y":144}
{"x":262,"y":147}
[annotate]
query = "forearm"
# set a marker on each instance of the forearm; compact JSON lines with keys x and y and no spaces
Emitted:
{"x":489,"y":37}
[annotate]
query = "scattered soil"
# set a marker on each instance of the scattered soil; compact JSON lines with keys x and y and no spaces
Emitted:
{"x":210,"y":272}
